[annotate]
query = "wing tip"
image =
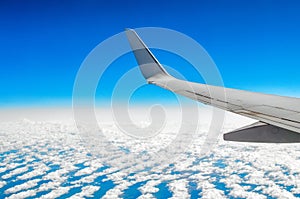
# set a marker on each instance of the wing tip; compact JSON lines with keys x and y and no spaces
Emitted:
{"x":147,"y":62}
{"x":128,"y":29}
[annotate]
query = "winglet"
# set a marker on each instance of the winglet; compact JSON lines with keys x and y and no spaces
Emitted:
{"x":148,"y":64}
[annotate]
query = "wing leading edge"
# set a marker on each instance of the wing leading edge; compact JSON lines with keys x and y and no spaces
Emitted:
{"x":279,"y":116}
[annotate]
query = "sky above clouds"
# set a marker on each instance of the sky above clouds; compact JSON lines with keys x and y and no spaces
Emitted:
{"x":255,"y":44}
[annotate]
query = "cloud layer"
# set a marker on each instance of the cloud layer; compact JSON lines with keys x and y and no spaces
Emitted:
{"x":49,"y":160}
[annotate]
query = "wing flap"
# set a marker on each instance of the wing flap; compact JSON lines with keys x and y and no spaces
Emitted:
{"x":263,"y":133}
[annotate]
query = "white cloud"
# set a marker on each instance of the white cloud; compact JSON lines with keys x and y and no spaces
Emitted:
{"x":15,"y":172}
{"x":179,"y":188}
{"x":56,"y":192}
{"x":40,"y":170}
{"x":23,"y":194}
{"x":86,"y":191}
{"x":2,"y":184}
{"x":212,"y":193}
{"x":23,"y":186}
{"x":149,"y":187}
{"x":240,"y":192}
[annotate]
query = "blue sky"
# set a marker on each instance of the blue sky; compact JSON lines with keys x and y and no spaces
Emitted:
{"x":255,"y":44}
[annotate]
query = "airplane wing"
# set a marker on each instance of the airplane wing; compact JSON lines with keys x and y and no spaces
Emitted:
{"x":279,"y":117}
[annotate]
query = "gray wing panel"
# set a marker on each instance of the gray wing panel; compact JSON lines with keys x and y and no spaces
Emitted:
{"x":271,"y":109}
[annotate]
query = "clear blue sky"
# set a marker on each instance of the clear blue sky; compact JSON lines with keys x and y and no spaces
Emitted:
{"x":255,"y":44}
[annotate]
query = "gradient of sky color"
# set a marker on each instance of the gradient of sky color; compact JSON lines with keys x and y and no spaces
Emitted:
{"x":255,"y":44}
